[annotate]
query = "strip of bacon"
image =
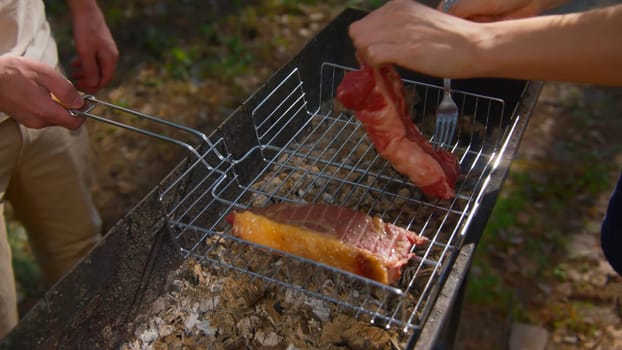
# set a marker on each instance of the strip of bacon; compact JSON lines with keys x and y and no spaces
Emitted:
{"x":333,"y":235}
{"x":377,"y":97}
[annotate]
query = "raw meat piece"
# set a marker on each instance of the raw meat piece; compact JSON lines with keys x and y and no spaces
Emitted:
{"x":333,"y":235}
{"x":376,"y":95}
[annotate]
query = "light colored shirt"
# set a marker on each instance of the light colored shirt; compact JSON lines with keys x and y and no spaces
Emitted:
{"x":25,"y":31}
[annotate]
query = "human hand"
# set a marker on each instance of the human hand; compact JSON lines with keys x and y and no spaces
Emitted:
{"x":495,"y":10}
{"x":26,"y":89}
{"x":420,"y":38}
{"x":97,"y":52}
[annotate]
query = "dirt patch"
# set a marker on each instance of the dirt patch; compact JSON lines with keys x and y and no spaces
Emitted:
{"x":547,"y":255}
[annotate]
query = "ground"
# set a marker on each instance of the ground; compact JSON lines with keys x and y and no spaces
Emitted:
{"x":539,"y":261}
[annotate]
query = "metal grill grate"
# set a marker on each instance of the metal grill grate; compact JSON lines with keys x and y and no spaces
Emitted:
{"x":324,"y":155}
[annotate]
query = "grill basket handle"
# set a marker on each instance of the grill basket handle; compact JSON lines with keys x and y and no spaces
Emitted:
{"x":92,"y":102}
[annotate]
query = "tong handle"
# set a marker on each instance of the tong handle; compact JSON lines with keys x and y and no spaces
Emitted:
{"x":90,"y":103}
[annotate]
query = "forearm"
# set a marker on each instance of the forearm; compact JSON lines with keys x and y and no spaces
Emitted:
{"x":97,"y":52}
{"x":578,"y":47}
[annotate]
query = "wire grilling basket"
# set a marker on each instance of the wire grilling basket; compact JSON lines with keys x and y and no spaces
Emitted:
{"x":318,"y":152}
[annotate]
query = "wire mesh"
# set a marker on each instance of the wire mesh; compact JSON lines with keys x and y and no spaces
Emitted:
{"x":305,"y":154}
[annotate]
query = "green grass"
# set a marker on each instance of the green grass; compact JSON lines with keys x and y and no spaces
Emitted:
{"x":485,"y":287}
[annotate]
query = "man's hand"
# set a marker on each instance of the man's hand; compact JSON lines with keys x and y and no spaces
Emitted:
{"x":26,"y":89}
{"x":97,"y":51}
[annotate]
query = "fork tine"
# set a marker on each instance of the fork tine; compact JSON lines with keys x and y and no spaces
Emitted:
{"x":449,"y":128}
{"x":446,"y":120}
{"x":452,"y":129}
{"x":444,"y":128}
{"x":438,"y":132}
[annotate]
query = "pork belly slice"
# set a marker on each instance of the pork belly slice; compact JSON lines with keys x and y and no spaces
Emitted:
{"x":334,"y":235}
{"x":377,"y":97}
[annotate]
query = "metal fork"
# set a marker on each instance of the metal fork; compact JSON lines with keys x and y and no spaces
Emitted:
{"x":446,"y":117}
{"x":447,"y":112}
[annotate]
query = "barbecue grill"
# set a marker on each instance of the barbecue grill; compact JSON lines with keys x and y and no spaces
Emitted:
{"x":292,"y":142}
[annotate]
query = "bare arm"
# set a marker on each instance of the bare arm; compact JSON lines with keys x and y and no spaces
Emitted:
{"x":581,"y":47}
{"x":575,"y":47}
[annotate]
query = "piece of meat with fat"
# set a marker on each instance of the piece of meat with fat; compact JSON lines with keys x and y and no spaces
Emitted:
{"x":334,"y":235}
{"x":377,"y":97}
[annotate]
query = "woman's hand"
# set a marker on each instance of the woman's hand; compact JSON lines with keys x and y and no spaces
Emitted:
{"x":420,"y":38}
{"x":26,"y":90}
{"x":97,"y":51}
{"x":574,"y":47}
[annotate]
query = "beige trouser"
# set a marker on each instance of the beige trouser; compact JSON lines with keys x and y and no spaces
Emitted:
{"x":45,"y":174}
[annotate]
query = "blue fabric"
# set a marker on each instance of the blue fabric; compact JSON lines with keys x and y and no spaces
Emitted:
{"x":611,"y":232}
